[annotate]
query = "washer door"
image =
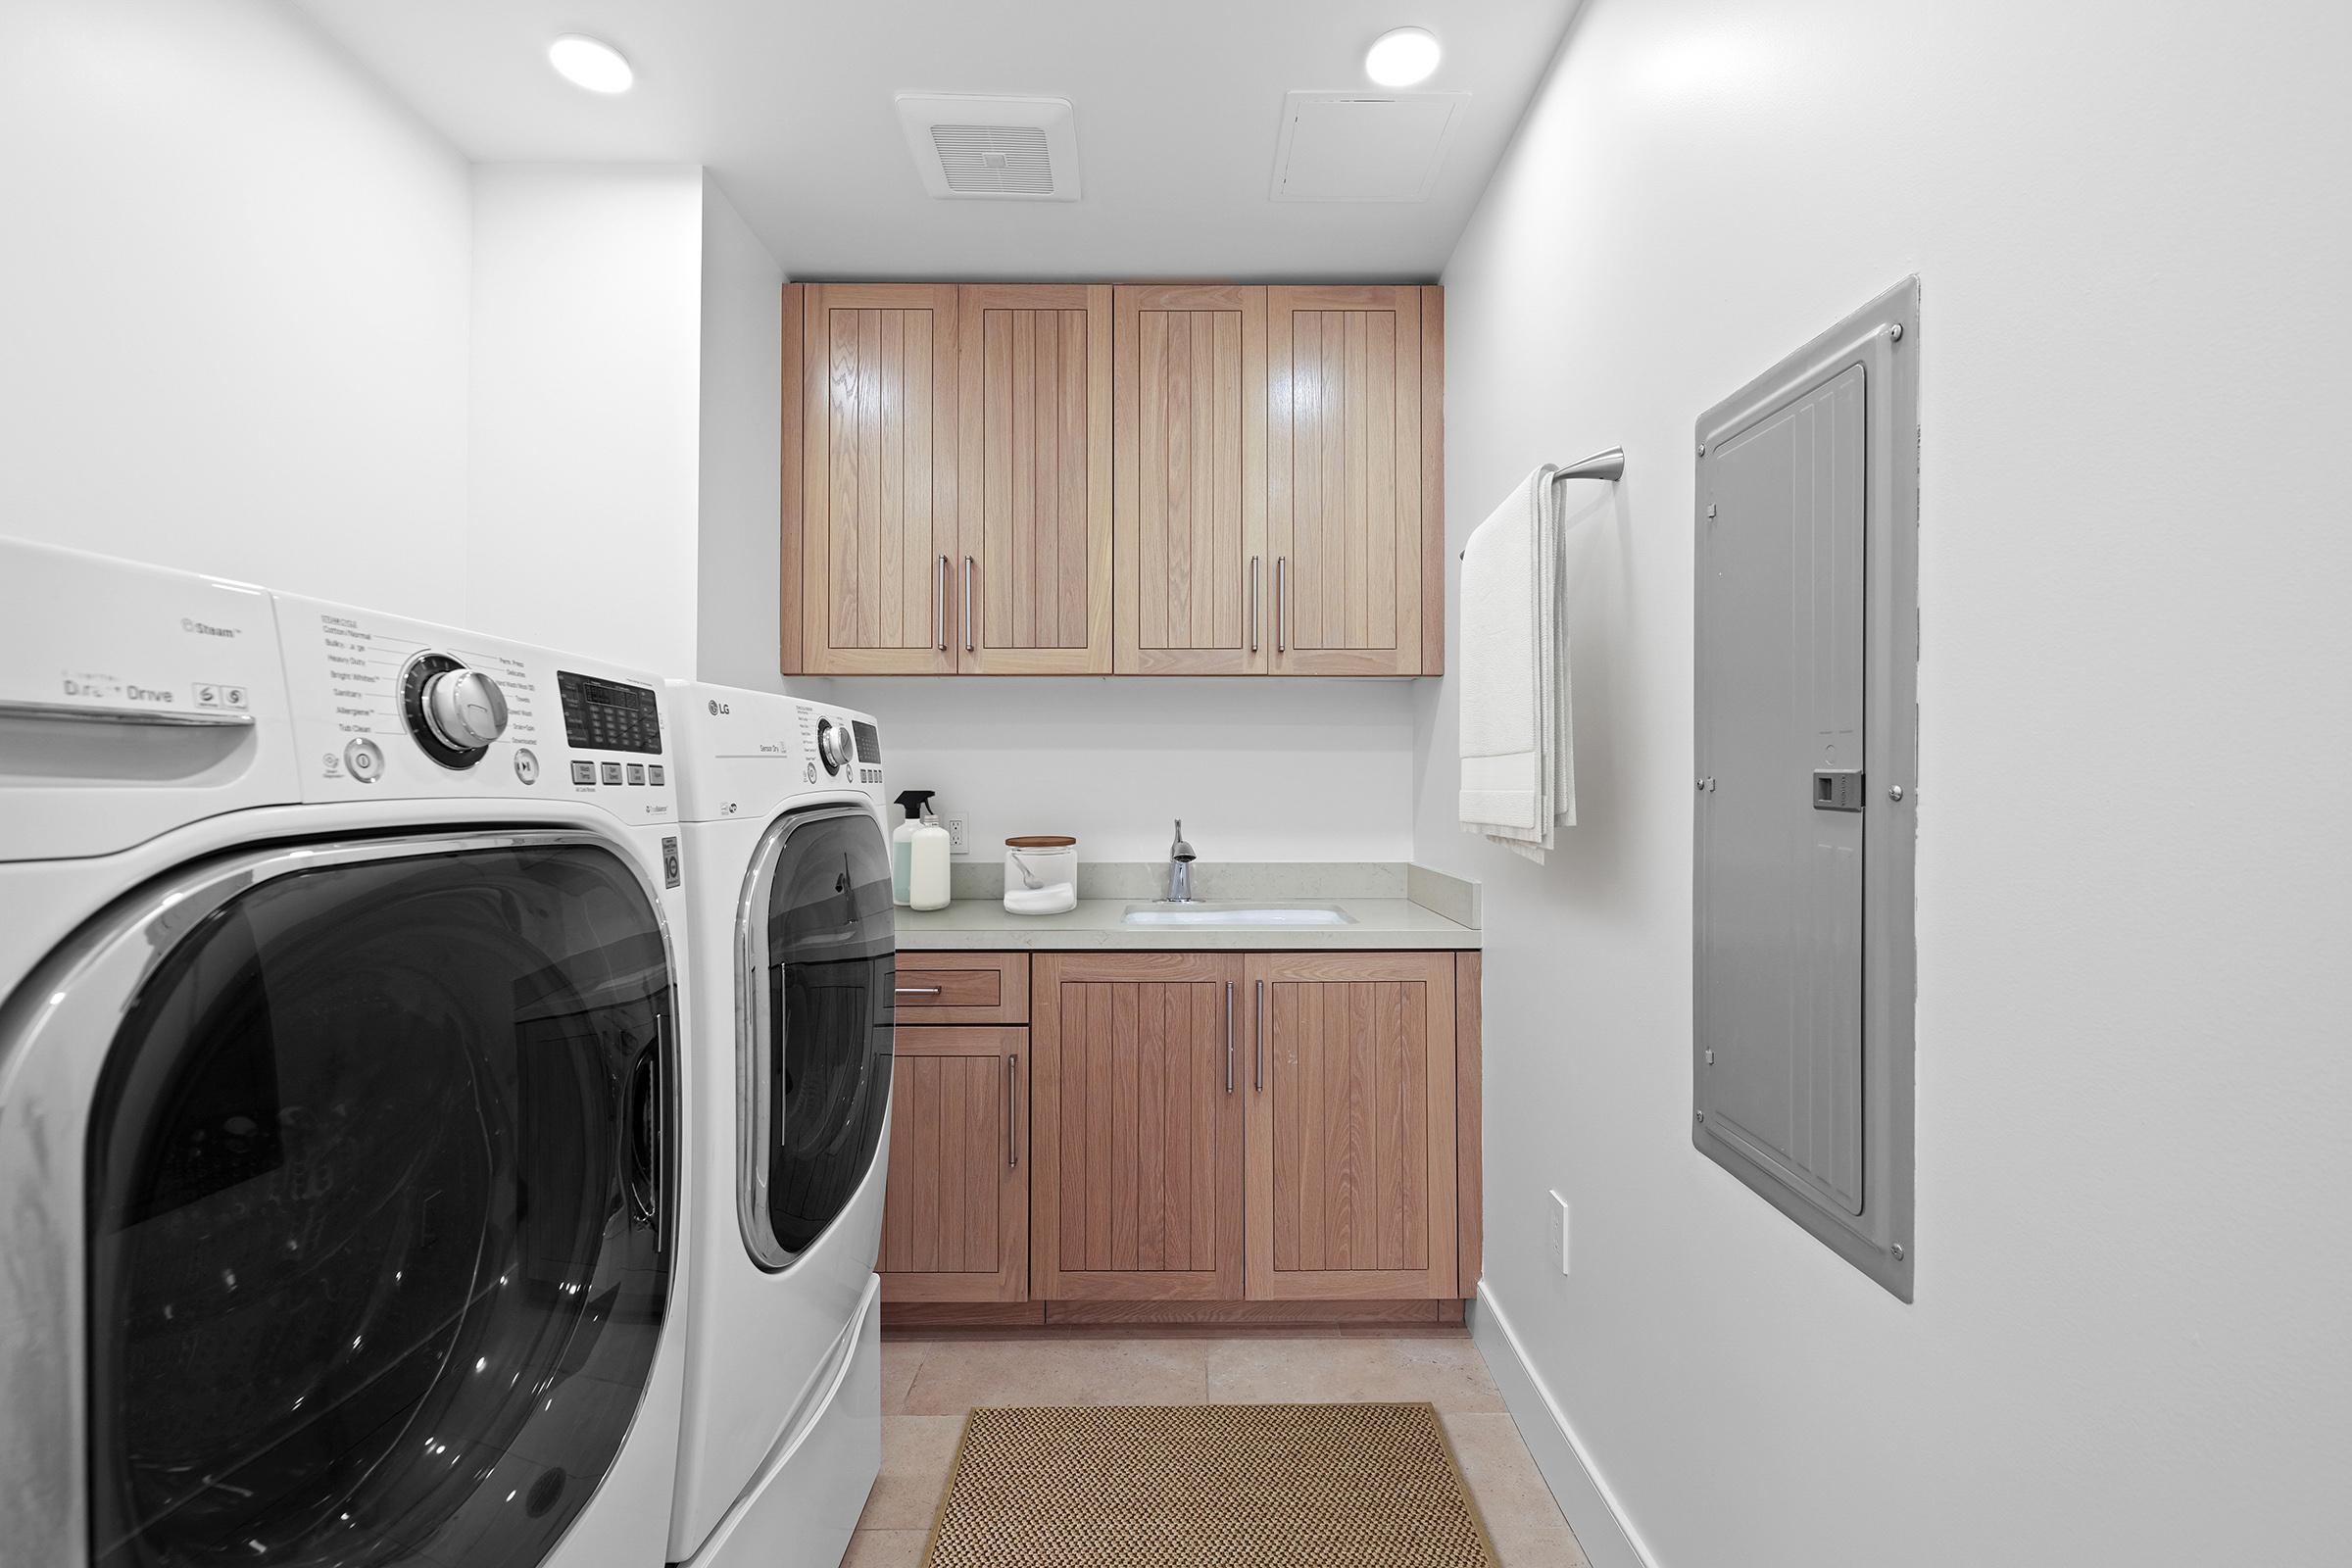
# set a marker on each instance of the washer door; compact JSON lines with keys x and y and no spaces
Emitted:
{"x":816,"y":945}
{"x":376,"y":1201}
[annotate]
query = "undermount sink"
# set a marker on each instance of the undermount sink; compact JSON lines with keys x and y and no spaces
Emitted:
{"x":1216,"y":913}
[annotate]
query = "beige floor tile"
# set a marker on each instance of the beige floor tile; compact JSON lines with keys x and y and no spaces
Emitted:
{"x":956,"y":1375}
{"x":901,"y":1359}
{"x":917,"y":1452}
{"x":1448,"y":1373}
{"x":888,"y":1549}
{"x":1520,"y":1512}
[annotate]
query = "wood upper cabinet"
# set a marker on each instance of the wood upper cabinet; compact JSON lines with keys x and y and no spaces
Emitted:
{"x":955,"y":1210}
{"x":1351,"y":1166}
{"x":1034,"y":479}
{"x":878,"y":526}
{"x":1190,"y":433}
{"x":1089,"y":479}
{"x":1140,"y":1066}
{"x":1360,"y":581}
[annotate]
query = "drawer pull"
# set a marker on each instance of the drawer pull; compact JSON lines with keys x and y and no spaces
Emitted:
{"x":1257,"y":1047}
{"x":1229,"y":1037}
{"x":916,"y":990}
{"x":1013,"y":1111}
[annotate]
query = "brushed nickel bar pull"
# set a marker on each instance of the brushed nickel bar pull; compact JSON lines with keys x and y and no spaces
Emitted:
{"x":1254,"y":614}
{"x":939,"y":605}
{"x":967,"y":605}
{"x":916,"y":991}
{"x":1013,"y":1111}
{"x":1282,"y":602}
{"x":1257,"y":1047}
{"x":1229,"y":1037}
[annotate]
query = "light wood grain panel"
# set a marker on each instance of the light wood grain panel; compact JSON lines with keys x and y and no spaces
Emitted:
{"x":1188,"y":423}
{"x":1469,"y":1012}
{"x":936,"y":988}
{"x":955,"y":1207}
{"x":1361,"y":1063}
{"x":912,"y":1319}
{"x":1253,"y":1315}
{"x":1036,"y":481}
{"x":1140,"y":1187}
{"x":1433,"y":481}
{"x":791,"y":660}
{"x":877,"y":507}
{"x":1345,"y":498}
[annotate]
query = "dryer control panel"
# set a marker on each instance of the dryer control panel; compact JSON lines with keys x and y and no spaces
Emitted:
{"x":749,"y":752}
{"x":385,"y":706}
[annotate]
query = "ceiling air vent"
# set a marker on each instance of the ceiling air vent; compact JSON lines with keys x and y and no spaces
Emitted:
{"x":977,"y":148}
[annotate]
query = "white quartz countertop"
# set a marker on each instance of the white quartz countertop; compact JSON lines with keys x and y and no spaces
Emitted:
{"x":982,"y":924}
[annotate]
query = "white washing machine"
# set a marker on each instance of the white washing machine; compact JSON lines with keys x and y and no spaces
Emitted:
{"x":788,"y":871}
{"x":340,"y":1086}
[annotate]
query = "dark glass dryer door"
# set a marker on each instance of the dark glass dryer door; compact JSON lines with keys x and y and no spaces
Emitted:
{"x":816,"y":946}
{"x":377,"y":1205}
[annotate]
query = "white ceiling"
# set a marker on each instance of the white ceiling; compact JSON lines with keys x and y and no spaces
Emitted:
{"x":789,"y":104}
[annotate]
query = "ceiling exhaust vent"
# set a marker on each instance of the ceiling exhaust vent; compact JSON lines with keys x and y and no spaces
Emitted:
{"x":969,"y":147}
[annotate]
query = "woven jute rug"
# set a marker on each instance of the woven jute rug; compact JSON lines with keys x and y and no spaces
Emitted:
{"x":1207,"y":1485}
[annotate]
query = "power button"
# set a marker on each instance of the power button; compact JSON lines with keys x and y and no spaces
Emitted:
{"x":366,"y":760}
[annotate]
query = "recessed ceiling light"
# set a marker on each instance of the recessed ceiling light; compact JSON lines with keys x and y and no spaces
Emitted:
{"x":1402,"y":58}
{"x":590,"y":62}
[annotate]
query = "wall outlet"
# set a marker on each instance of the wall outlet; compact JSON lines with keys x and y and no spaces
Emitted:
{"x":959,"y":831}
{"x":1557,"y":1216}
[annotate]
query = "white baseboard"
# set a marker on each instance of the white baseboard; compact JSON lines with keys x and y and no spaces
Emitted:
{"x":1601,"y":1526}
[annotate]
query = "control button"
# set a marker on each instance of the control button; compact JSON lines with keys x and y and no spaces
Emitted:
{"x":636,"y":772}
{"x":612,"y":772}
{"x":583,"y":772}
{"x":658,"y":773}
{"x":526,"y":765}
{"x":366,"y":760}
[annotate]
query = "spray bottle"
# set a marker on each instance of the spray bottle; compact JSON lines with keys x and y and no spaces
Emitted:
{"x":918,"y":855}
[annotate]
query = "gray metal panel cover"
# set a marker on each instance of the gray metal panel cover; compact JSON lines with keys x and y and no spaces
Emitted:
{"x":1780,"y":894}
{"x":1806,"y":676}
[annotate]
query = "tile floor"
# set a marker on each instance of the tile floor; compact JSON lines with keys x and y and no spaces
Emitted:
{"x":929,"y":1383}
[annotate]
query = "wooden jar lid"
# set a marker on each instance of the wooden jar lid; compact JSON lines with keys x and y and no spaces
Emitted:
{"x":1039,"y":841}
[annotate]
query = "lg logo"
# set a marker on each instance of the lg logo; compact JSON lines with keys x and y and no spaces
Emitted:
{"x":719,"y":707}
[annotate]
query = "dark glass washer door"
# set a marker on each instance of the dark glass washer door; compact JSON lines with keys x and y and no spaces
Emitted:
{"x":377,"y":1207}
{"x":819,"y":953}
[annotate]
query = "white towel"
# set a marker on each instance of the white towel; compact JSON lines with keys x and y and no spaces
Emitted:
{"x":1518,"y":754}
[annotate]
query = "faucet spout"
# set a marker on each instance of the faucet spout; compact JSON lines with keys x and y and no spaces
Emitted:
{"x":1179,"y":868}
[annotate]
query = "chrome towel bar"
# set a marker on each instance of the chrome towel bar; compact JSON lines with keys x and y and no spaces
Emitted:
{"x":1609,"y":466}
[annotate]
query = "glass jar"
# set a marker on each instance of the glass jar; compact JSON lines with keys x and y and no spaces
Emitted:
{"x":1041,"y":874}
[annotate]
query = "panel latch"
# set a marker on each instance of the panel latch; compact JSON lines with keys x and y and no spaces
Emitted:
{"x":1838,"y":789}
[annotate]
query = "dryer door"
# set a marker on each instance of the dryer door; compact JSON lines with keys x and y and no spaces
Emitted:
{"x":817,"y":951}
{"x":375,"y":1199}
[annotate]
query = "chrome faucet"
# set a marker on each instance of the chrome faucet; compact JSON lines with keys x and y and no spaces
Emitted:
{"x":1180,"y":870}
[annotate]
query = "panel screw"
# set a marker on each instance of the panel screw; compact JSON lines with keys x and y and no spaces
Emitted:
{"x":1706,"y":783}
{"x":1702,"y":1115}
{"x":1702,"y":449}
{"x":1710,"y":511}
{"x":1894,"y":335}
{"x":1895,"y":792}
{"x":1898,"y":1252}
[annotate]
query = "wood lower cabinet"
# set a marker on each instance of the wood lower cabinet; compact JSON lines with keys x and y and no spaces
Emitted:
{"x":1138,"y":1142}
{"x":956,"y":1213}
{"x":1232,"y":1136}
{"x":1351,"y":1126}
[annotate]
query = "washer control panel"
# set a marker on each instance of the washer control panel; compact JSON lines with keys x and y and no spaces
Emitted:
{"x":390,"y":707}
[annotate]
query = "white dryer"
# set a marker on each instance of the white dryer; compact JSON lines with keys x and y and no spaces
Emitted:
{"x":340,"y":1075}
{"x":788,"y":872}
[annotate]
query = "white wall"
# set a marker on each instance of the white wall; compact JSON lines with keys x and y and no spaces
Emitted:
{"x":738,"y":566}
{"x":2131,"y":1341}
{"x":232,"y":302}
{"x":586,"y":378}
{"x":1259,"y":770}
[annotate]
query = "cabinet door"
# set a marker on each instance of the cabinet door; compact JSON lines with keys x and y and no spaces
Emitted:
{"x":1141,"y":1058}
{"x":1033,"y":483}
{"x":1191,"y":489}
{"x":1345,"y":444}
{"x":956,"y":1213}
{"x":878,"y":523}
{"x":1351,"y":1126}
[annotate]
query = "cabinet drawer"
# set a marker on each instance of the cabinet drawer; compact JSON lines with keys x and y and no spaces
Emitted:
{"x":963,"y":988}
